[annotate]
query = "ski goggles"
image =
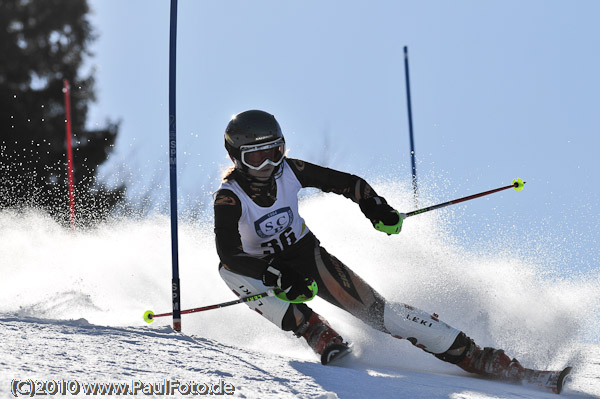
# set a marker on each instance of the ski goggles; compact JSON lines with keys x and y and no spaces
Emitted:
{"x":258,"y":155}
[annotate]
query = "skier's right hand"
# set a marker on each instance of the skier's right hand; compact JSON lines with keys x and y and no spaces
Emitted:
{"x":290,"y":286}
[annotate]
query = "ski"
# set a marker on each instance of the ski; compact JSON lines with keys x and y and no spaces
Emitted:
{"x":551,"y":380}
{"x":334,"y":352}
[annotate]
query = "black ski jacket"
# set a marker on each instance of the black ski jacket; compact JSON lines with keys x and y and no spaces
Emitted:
{"x":228,"y":210}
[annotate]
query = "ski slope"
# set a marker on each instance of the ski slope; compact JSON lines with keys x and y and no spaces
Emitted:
{"x":44,"y":349}
{"x":71,"y":307}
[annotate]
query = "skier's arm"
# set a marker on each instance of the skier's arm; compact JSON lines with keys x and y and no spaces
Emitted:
{"x":373,"y":206}
{"x":331,"y":181}
{"x":228,"y":211}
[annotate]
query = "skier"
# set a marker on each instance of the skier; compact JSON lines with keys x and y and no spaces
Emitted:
{"x":263,"y":242}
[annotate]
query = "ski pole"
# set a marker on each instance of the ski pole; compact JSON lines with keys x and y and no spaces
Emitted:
{"x":517,"y":184}
{"x":149,"y":315}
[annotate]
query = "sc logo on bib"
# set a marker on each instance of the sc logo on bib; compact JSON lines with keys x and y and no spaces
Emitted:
{"x":273,"y":222}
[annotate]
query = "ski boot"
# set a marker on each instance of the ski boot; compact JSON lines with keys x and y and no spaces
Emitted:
{"x":323,"y":339}
{"x":493,"y":363}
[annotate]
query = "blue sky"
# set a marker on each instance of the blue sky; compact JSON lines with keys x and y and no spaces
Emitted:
{"x":500,"y":89}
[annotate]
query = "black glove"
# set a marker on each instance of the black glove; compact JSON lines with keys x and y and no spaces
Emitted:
{"x":291,"y":283}
{"x":376,"y":209}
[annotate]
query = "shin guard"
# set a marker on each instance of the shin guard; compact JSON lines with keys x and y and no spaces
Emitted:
{"x":424,"y":330}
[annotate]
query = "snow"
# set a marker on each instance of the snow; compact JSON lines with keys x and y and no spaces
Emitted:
{"x":46,"y":349}
{"x":71,"y":307}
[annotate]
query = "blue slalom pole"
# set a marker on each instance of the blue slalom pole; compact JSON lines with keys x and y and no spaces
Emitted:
{"x":410,"y":127}
{"x":173,"y":168}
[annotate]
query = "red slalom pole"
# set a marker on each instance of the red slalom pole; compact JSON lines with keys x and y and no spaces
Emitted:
{"x":69,"y":153}
{"x":517,"y":184}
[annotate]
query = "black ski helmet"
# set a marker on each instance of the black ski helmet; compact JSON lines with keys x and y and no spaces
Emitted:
{"x":249,"y":128}
{"x":253,"y":139}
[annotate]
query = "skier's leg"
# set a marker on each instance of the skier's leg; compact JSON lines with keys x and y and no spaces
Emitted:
{"x":271,"y":308}
{"x":490,"y":362}
{"x":422,"y":329}
{"x":342,"y":287}
{"x":323,"y":339}
{"x":448,"y":344}
{"x":299,"y":318}
{"x":339,"y":285}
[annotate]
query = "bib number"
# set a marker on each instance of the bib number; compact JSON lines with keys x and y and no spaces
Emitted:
{"x":286,"y":239}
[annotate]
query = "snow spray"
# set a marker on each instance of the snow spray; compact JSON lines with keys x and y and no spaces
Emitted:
{"x":117,"y":270}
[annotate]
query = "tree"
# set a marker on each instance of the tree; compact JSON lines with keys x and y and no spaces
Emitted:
{"x":41,"y":44}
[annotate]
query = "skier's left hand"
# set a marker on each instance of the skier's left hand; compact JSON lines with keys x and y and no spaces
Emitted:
{"x":383,"y":217}
{"x":391,"y":227}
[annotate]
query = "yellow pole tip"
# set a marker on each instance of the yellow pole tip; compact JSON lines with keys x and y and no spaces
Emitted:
{"x":518,"y":184}
{"x":148,"y":316}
